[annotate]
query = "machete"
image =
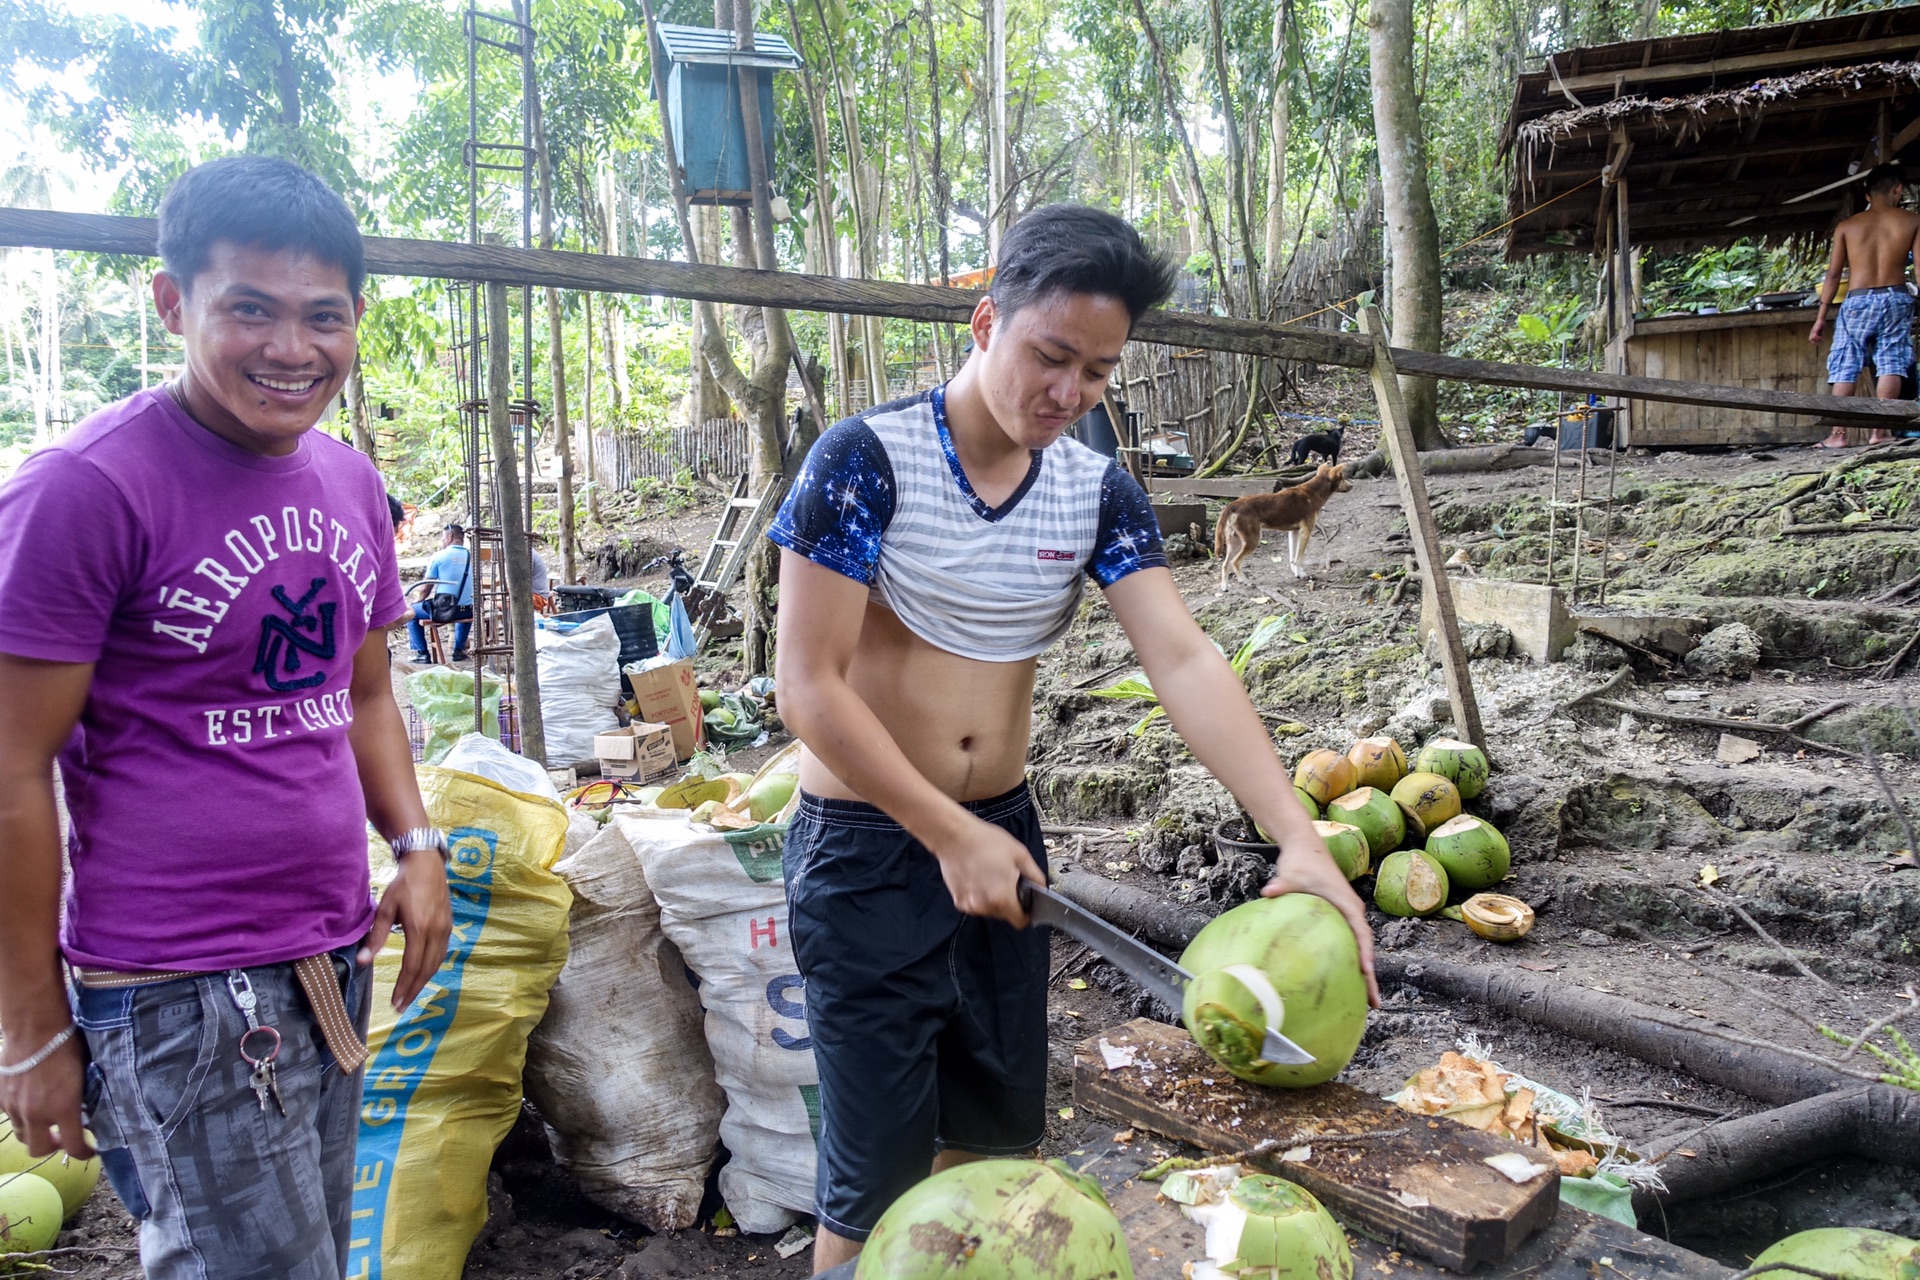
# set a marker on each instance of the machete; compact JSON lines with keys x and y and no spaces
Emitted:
{"x":1158,"y":976}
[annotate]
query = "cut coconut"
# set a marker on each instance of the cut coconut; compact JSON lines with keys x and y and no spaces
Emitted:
{"x":1462,"y":763}
{"x":1375,"y":813}
{"x":1306,"y":951}
{"x":1472,"y":850}
{"x":1409,"y":883}
{"x":1427,"y":797}
{"x":1377,"y":762}
{"x":1497,"y":917}
{"x":1323,"y":775}
{"x":1349,"y":846}
{"x":1269,"y":1227}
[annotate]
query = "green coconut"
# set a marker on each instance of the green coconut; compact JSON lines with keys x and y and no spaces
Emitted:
{"x":1377,"y":762}
{"x":1428,"y":800}
{"x":73,"y":1179}
{"x":1852,"y":1253}
{"x":1461,"y":763}
{"x":1349,"y":846}
{"x":1472,"y":850}
{"x":1375,"y":813}
{"x":999,"y":1220}
{"x":1291,"y":962}
{"x":1307,"y":802}
{"x":767,"y":798}
{"x":1323,"y":775}
{"x":1271,"y":1229}
{"x":1410,"y":883}
{"x":30,"y":1213}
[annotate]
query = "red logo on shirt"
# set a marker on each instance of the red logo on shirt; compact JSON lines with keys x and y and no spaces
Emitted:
{"x":1045,"y":554}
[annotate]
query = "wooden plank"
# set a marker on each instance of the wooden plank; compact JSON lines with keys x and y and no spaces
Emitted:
{"x":588,"y":272}
{"x":1745,"y":64}
{"x":1160,"y":1238}
{"x":1419,"y":1184}
{"x":1214,"y":487}
{"x":1426,"y":534}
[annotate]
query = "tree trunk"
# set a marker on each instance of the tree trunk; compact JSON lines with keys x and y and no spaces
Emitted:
{"x":823,"y":236}
{"x":1277,"y":134}
{"x":940,"y":194}
{"x":998,"y":152}
{"x":1240,"y":204}
{"x":586,"y":419}
{"x":1215,"y":247}
{"x":1412,"y":229}
{"x":357,"y":411}
{"x":556,"y":350}
{"x":513,"y":528}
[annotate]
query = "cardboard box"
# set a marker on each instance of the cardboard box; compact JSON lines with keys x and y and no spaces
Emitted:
{"x":667,"y":695}
{"x":639,"y":751}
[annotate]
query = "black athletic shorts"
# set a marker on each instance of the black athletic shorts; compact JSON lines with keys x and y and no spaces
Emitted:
{"x":929,"y":1027}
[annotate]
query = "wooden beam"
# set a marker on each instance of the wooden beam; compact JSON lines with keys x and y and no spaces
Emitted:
{"x":1398,"y":433}
{"x":1418,"y":1184}
{"x":599,"y":273}
{"x":1744,"y":64}
{"x":1579,"y":382}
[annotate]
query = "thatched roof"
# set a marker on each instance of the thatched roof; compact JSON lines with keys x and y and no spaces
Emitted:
{"x":1719,"y":135}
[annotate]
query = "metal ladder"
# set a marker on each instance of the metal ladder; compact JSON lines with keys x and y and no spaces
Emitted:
{"x":745,"y":519}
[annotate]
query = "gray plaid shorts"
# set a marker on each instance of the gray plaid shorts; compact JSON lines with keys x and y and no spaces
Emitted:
{"x":222,"y":1189}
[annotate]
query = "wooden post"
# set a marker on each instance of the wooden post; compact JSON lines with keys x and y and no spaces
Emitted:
{"x":513,"y":527}
{"x":1426,"y":536}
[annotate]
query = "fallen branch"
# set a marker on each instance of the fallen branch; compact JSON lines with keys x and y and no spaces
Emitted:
{"x":1132,"y":910}
{"x":1770,"y":1073}
{"x":1792,"y":959}
{"x":1669,"y":1104}
{"x":1878,"y":1122}
{"x":1891,"y":796}
{"x":1861,"y":526}
{"x":1600,"y":690}
{"x":1893,"y":593}
{"x":1881,"y":1024}
{"x":1820,"y":712}
{"x":1716,"y":722}
{"x":1892,"y":664}
{"x":1091,"y":833}
{"x":1660,"y":660}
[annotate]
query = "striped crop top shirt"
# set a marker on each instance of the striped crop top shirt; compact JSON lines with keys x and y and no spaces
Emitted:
{"x":883,"y":499}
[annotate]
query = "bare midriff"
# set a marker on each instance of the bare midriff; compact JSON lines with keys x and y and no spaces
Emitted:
{"x":962,"y":723}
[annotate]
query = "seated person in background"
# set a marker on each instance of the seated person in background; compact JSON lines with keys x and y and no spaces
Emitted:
{"x":450,"y":572}
{"x":542,"y":575}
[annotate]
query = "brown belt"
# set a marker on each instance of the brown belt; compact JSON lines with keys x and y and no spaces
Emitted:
{"x":316,"y":979}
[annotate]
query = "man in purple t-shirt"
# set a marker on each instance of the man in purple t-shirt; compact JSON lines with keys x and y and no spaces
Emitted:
{"x":195,"y":591}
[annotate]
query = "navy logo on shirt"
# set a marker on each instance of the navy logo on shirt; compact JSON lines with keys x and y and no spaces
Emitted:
{"x":283,"y":641}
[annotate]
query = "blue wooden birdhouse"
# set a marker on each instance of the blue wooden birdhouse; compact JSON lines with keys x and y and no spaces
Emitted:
{"x":703,"y":106}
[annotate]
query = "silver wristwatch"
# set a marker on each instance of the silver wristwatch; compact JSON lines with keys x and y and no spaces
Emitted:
{"x":420,"y":838}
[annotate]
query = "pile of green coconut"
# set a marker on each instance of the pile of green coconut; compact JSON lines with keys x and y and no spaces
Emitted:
{"x":1406,"y":828}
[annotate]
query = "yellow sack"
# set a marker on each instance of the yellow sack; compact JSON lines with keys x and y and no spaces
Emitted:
{"x":443,"y":1085}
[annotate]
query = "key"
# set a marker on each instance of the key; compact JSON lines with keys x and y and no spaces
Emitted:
{"x":261,"y":1081}
{"x":273,"y":1086}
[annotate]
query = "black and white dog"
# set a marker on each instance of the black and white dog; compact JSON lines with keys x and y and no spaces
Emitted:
{"x":1325,"y":443}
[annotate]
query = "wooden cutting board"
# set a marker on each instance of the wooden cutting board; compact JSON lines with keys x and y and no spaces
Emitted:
{"x":1415,"y":1182}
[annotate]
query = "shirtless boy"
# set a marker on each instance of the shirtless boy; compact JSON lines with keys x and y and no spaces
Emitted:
{"x":1877,"y":313}
{"x":933,"y":548}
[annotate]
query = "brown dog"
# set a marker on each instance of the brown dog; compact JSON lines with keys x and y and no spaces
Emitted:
{"x":1295,"y":510}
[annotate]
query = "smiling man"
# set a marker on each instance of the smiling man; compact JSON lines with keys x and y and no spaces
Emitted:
{"x":933,"y":548}
{"x":195,"y":588}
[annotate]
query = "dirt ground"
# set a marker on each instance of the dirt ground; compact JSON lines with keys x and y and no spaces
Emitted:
{"x":1612,"y":816}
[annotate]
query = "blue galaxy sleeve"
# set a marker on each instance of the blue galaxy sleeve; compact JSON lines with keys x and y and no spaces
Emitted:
{"x":1129,"y":537}
{"x":841,"y":503}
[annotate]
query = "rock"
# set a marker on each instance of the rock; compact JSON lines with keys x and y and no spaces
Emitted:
{"x":669,"y":1257}
{"x":1735,"y":749}
{"x":1590,"y":653}
{"x":1593,"y":938}
{"x":1180,"y":549}
{"x":1730,"y":652}
{"x":1193,"y":860}
{"x":1395,"y":934}
{"x":1477,"y":639}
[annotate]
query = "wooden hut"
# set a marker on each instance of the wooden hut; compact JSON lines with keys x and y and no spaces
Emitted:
{"x":1689,"y":141}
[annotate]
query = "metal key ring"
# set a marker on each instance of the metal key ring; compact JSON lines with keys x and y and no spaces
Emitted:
{"x":272,"y":1052}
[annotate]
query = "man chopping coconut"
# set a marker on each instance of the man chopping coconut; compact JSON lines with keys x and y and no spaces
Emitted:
{"x":197,"y":588}
{"x":933,"y":548}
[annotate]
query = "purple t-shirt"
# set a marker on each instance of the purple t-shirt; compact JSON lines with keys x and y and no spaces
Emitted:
{"x":217,"y":814}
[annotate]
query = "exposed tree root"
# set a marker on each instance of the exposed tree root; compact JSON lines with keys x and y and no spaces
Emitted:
{"x":1131,"y":909}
